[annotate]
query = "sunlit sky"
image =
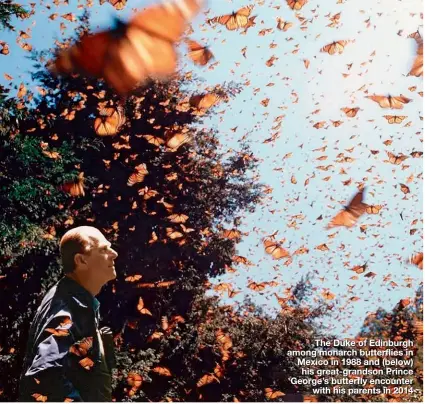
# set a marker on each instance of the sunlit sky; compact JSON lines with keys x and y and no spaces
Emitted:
{"x":381,"y":55}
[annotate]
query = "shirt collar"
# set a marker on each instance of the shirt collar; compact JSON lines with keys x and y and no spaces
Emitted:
{"x":83,"y":295}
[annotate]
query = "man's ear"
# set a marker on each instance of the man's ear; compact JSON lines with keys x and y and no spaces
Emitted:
{"x":79,"y":260}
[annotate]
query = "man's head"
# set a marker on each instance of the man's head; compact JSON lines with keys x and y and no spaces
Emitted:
{"x":85,"y":252}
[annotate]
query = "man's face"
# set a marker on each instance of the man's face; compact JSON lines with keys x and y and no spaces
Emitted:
{"x":101,"y":258}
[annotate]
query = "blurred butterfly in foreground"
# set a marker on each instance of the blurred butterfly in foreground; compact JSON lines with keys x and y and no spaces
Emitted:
{"x":349,"y":216}
{"x":127,"y":55}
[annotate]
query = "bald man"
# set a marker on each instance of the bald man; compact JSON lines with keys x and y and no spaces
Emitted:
{"x":68,"y":357}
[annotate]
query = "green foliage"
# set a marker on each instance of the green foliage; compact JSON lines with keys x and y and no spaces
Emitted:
{"x":9,"y":9}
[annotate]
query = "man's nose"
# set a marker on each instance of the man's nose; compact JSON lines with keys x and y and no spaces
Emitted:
{"x":114,"y":253}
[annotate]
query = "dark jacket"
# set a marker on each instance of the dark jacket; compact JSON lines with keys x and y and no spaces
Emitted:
{"x":66,"y":356}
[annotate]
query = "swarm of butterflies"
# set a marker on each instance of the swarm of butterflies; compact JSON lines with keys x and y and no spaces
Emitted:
{"x":144,"y":48}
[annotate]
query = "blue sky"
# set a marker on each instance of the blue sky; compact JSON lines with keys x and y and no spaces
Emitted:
{"x":381,"y":55}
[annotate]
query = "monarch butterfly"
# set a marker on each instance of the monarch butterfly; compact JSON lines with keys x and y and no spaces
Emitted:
{"x":322,"y":247}
{"x":310,"y":398}
{"x":155,"y":335}
{"x":274,"y":249}
{"x":337,"y":123}
{"x":224,"y":340}
{"x":349,"y":216}
{"x":118,"y":4}
{"x":76,"y":187}
{"x":257,"y":287}
{"x":156,"y":141}
{"x":416,"y":154}
{"x":397,"y":160}
{"x":173,"y":234}
{"x":231,"y":234}
{"x":373,"y":209}
{"x":162,"y":371}
{"x":359,"y":269}
{"x":334,"y":47}
{"x":200,"y":55}
{"x":234,"y":21}
{"x":39,"y":397}
{"x":328,"y":295}
{"x":81,"y":348}
{"x":109,"y":121}
{"x":203,"y":102}
{"x":138,"y":176}
{"x":405,"y":189}
{"x":272,"y":394}
{"x":296,"y":4}
{"x":218,"y":370}
{"x":142,"y":309}
{"x":394,"y":119}
{"x":207,"y":379}
{"x":133,"y":278}
{"x":241,"y":260}
{"x":389,"y":101}
{"x":177,"y":140}
{"x":86,"y":363}
{"x":178,"y":218}
{"x":134,"y":379}
{"x":350,"y":112}
{"x":4,"y":48}
{"x":418,"y":64}
{"x":283,"y":25}
{"x":133,"y":51}
{"x":417,"y":260}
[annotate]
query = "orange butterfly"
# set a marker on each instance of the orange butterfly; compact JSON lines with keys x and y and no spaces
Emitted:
{"x":334,"y":47}
{"x":4,"y":48}
{"x":109,"y":121}
{"x":156,"y":141}
{"x":118,"y":4}
{"x":86,"y":363}
{"x":132,"y":52}
{"x":327,"y":295}
{"x":350,"y":112}
{"x":393,"y":159}
{"x":57,"y":333}
{"x":162,"y":371}
{"x":178,"y":218}
{"x":257,"y":287}
{"x":272,"y":394}
{"x":349,"y":216}
{"x":173,"y":234}
{"x":133,"y":278}
{"x":283,"y":25}
{"x":142,"y":309}
{"x":76,"y":187}
{"x":418,"y":64}
{"x":177,"y":140}
{"x":138,"y":176}
{"x":274,"y":249}
{"x":234,"y":21}
{"x":359,"y":269}
{"x":200,"y":55}
{"x":232,"y":234}
{"x":417,"y":260}
{"x":134,"y":379}
{"x":204,"y":101}
{"x":394,"y":119}
{"x":207,"y":379}
{"x":39,"y":397}
{"x":81,"y":348}
{"x":296,"y":4}
{"x":389,"y":101}
{"x":373,"y":209}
